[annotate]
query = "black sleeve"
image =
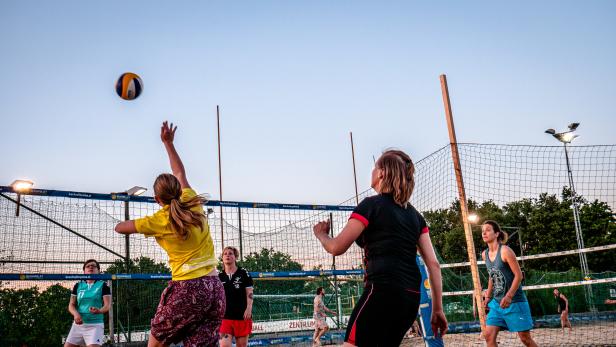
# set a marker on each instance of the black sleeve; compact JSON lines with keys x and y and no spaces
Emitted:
{"x":365,"y":211}
{"x":248,"y":279}
{"x":106,"y":290}
{"x":423,"y":226}
{"x":74,"y":291}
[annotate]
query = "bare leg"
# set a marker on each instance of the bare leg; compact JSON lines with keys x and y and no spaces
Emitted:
{"x":491,"y":334}
{"x":153,"y":342}
{"x":226,"y":340}
{"x":241,"y":341}
{"x":567,"y":321}
{"x":321,"y":333}
{"x":527,"y":339}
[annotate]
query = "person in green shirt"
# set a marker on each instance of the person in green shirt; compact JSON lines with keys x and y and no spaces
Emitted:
{"x":90,"y":300}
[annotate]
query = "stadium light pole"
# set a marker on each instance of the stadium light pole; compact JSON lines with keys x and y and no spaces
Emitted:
{"x":21,"y":186}
{"x":566,"y":137}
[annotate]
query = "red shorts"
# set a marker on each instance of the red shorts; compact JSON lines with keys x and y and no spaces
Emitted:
{"x":237,"y":328}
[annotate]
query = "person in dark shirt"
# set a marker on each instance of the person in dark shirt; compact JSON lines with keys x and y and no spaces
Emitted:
{"x":390,"y":231}
{"x":237,"y":321}
{"x":563,"y":309}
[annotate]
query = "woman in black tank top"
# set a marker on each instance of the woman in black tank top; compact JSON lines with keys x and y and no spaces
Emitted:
{"x":563,"y":309}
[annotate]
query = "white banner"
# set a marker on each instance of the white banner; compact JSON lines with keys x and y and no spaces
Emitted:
{"x":291,"y":325}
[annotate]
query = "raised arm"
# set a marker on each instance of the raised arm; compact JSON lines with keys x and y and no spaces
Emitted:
{"x":167,"y":135}
{"x":426,"y":250}
{"x":339,"y":244}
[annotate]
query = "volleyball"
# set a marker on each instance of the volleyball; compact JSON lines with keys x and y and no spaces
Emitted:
{"x":129,"y":86}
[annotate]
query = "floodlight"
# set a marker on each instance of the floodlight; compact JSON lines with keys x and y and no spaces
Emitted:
{"x":136,"y":190}
{"x":473,"y":218}
{"x":21,"y":186}
{"x":566,"y":137}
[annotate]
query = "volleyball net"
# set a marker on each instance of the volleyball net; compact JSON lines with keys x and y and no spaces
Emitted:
{"x":46,"y":235}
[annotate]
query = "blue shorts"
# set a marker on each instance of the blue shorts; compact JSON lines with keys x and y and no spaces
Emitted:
{"x":514,"y":318}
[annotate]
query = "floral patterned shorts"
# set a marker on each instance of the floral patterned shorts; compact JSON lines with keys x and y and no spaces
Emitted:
{"x":190,"y":311}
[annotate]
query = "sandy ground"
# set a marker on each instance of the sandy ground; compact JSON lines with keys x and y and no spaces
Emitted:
{"x":587,"y":335}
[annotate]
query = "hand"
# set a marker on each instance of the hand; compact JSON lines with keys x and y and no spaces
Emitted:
{"x":95,"y":310}
{"x":248,"y":313}
{"x":77,"y":319}
{"x":167,"y":132}
{"x":321,"y":228}
{"x":505,"y":302}
{"x":438,"y":321}
{"x":485,"y":302}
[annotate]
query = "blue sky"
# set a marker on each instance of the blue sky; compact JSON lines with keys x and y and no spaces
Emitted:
{"x":292,"y":79}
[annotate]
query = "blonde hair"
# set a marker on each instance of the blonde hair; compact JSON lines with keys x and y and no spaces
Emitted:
{"x":235,"y":251}
{"x":398,"y":175}
{"x":181,"y":216}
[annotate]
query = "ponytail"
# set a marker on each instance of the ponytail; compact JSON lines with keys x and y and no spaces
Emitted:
{"x":181,"y":215}
{"x":502,"y":235}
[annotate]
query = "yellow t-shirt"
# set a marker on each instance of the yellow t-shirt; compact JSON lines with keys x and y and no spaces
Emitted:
{"x":190,"y":258}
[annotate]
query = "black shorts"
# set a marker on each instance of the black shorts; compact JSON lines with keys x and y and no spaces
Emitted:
{"x":382,"y":316}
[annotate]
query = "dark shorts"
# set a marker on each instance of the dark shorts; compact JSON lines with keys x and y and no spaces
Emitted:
{"x":190,"y":311}
{"x":382,"y":316}
{"x":237,"y":328}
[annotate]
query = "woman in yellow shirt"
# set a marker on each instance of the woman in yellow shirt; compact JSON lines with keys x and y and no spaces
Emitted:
{"x":193,"y":304}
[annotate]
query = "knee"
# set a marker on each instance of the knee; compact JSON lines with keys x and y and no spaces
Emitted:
{"x":490,"y":336}
{"x":526,"y":339}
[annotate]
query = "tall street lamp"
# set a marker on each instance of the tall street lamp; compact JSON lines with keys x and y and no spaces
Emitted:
{"x":566,"y":137}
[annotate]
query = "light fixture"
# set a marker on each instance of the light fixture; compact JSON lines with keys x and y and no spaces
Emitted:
{"x":566,"y":136}
{"x":136,"y":190}
{"x":20,"y":186}
{"x":473,"y":218}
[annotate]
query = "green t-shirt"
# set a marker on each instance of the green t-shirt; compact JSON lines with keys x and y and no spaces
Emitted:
{"x":90,"y":295}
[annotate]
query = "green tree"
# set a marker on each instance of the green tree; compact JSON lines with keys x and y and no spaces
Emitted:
{"x":52,"y":317}
{"x":268,"y":260}
{"x":17,"y":308}
{"x":28,"y":316}
{"x":135,"y":301}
